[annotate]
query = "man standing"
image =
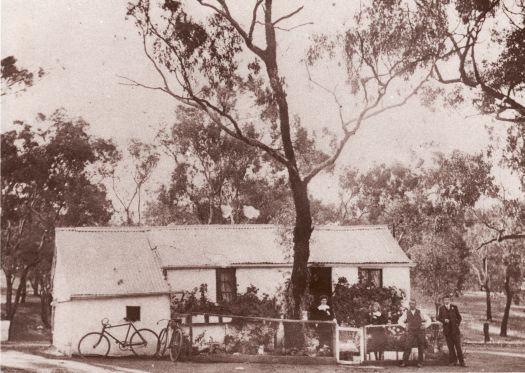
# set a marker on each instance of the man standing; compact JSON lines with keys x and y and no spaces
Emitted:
{"x":415,"y":321}
{"x":449,"y":316}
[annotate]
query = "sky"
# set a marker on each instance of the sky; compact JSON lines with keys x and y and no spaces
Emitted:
{"x":85,"y":45}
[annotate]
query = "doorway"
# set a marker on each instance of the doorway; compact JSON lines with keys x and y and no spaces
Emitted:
{"x":321,"y":282}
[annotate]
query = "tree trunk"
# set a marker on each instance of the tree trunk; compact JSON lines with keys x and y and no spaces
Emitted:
{"x":508,"y":303}
{"x":35,"y":286}
{"x":22,"y":284}
{"x":24,"y":293}
{"x":45,"y":308}
{"x":129,"y":220}
{"x":138,"y":207}
{"x":9,"y":293}
{"x":487,"y":297}
{"x":436,"y":305}
{"x":301,"y":238}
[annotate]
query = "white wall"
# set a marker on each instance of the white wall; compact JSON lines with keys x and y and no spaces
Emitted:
{"x":74,"y":319}
{"x":351,"y":274}
{"x":398,"y":277}
{"x":268,"y":280}
{"x":392,"y":276}
{"x":188,"y":279}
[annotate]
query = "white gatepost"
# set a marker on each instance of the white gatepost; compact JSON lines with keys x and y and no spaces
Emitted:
{"x":350,"y":345}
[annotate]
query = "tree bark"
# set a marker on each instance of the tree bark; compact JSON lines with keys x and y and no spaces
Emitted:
{"x":487,"y":297}
{"x":9,"y":293}
{"x":35,"y":285}
{"x":24,"y":293}
{"x":22,"y":283}
{"x":301,"y":239}
{"x":508,"y":303}
{"x":45,"y":308}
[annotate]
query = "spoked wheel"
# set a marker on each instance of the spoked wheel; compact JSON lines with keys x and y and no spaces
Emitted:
{"x":93,"y":345}
{"x":144,"y":343}
{"x":176,"y":345}
{"x":163,"y":342}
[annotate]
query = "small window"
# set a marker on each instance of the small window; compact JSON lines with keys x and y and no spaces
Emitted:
{"x":226,"y":284}
{"x":132,"y":313}
{"x":371,"y":276}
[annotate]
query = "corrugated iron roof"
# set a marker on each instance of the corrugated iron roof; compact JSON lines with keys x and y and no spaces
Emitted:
{"x":102,"y":261}
{"x":230,"y":245}
{"x":127,"y":260}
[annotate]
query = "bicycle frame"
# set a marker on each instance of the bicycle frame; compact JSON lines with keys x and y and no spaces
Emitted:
{"x":124,"y":343}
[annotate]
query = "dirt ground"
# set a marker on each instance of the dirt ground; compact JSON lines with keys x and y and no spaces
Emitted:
{"x":28,"y":326}
{"x":502,"y":360}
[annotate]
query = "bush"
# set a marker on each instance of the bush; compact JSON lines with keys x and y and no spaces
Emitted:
{"x":250,"y":304}
{"x":193,"y":303}
{"x":352,"y":304}
{"x":246,"y":304}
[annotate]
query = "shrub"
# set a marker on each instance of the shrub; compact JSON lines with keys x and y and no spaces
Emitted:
{"x":193,"y":302}
{"x":352,"y":304}
{"x":248,"y":303}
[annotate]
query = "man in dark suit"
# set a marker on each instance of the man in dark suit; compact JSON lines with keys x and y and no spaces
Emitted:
{"x":449,"y":316}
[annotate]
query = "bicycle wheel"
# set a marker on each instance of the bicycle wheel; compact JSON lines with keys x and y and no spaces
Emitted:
{"x":144,"y":342}
{"x":93,"y":345}
{"x":163,"y":342}
{"x":176,"y":344}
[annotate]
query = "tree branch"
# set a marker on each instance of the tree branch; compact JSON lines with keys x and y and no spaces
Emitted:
{"x":288,"y":15}
{"x":254,"y":19}
{"x":244,"y":35}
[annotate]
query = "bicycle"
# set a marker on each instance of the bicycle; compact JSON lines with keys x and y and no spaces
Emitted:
{"x":143,"y":342}
{"x":170,"y":337}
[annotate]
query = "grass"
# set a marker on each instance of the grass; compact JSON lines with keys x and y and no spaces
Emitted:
{"x":472,"y":307}
{"x":28,"y":326}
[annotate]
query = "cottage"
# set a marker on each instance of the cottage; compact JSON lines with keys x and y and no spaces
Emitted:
{"x":120,"y":272}
{"x":105,"y":273}
{"x":229,"y":258}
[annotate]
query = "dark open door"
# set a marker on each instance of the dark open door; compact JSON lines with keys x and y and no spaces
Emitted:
{"x":321,"y":282}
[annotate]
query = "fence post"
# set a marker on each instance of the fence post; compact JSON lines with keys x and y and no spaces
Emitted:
{"x":335,"y":346}
{"x":363,"y":344}
{"x":279,"y":335}
{"x":191,"y":334}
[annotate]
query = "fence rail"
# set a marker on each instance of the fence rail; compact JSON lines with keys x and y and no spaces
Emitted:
{"x":280,"y":336}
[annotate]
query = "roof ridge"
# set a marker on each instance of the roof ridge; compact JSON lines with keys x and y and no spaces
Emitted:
{"x":213,"y":227}
{"x":102,"y":229}
{"x":363,"y":227}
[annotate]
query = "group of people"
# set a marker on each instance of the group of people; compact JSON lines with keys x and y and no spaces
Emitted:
{"x":415,"y":321}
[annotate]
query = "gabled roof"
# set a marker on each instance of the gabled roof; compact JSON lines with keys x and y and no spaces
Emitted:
{"x":93,"y":261}
{"x":238,"y":245}
{"x":98,"y":262}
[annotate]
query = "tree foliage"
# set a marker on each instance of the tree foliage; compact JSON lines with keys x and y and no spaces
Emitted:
{"x":47,"y":181}
{"x":141,"y":162}
{"x":14,"y":78}
{"x":221,"y":65}
{"x":352,"y":303}
{"x":428,"y":210}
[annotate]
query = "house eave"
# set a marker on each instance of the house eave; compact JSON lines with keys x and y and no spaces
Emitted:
{"x":122,"y":295}
{"x":289,"y":265}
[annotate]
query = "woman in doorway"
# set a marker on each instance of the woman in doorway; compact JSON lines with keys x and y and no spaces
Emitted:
{"x":323,"y":312}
